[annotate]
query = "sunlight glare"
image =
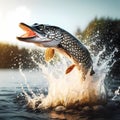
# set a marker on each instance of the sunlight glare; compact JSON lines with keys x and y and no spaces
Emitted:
{"x":11,"y":23}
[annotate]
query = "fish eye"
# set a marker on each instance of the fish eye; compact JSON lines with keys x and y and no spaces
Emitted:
{"x":41,"y":27}
{"x":38,"y":27}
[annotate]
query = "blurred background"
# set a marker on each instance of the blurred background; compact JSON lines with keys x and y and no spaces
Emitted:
{"x":95,"y":22}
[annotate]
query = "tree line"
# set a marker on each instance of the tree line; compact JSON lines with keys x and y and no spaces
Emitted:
{"x":103,"y":33}
{"x":12,"y":56}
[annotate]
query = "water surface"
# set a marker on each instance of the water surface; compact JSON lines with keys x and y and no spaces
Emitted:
{"x":14,"y":107}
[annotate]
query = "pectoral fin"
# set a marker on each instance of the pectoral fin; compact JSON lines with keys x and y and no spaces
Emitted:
{"x":49,"y":54}
{"x":70,"y":68}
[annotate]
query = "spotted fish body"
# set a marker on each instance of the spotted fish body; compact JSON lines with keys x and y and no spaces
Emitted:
{"x":77,"y":50}
{"x":55,"y":37}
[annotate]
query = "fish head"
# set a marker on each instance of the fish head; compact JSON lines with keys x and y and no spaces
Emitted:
{"x":41,"y":34}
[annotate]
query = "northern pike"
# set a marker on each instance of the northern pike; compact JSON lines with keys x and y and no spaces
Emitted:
{"x":54,"y":37}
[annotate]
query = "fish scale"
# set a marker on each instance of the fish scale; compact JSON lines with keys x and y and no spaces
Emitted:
{"x":76,"y":50}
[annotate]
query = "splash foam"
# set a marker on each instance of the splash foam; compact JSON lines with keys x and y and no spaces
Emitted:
{"x":70,"y":90}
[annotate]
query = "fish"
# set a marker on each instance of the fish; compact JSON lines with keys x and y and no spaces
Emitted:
{"x":55,"y":38}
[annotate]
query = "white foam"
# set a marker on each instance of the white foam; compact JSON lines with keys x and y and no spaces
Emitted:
{"x":70,"y":89}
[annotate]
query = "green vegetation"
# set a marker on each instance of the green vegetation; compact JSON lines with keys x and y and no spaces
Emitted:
{"x":12,"y":57}
{"x":103,"y":33}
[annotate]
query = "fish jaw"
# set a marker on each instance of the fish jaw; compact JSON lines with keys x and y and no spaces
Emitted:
{"x":40,"y":36}
{"x":31,"y":35}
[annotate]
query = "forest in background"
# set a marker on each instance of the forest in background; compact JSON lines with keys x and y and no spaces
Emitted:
{"x":12,"y":57}
{"x":103,"y":33}
{"x":100,"y":33}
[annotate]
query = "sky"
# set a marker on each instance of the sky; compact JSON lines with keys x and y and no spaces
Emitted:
{"x":68,"y":14}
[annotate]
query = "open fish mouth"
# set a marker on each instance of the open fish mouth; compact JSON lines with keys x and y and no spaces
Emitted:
{"x":29,"y":32}
{"x":32,"y":35}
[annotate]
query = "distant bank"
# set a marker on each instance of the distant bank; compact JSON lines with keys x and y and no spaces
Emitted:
{"x":12,"y":56}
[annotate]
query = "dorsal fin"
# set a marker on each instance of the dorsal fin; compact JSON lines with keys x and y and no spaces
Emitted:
{"x":49,"y":54}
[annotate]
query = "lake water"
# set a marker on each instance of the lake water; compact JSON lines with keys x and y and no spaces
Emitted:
{"x":13,"y":105}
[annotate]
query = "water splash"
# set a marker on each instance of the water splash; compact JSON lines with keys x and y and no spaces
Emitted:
{"x":117,"y":95}
{"x":70,"y":90}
